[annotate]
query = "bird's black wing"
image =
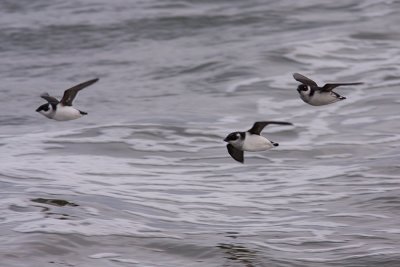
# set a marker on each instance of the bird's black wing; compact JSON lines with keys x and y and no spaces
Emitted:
{"x":330,"y":86}
{"x":304,"y":80}
{"x":259,"y":126}
{"x":236,"y":154}
{"x":52,"y":100}
{"x":70,"y":93}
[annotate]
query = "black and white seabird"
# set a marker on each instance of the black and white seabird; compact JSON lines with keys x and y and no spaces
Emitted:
{"x":238,"y":142}
{"x":63,"y":110}
{"x":314,"y":95}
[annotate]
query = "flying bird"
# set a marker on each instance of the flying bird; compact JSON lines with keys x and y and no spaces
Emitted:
{"x":63,"y":110}
{"x":314,"y":95}
{"x":251,"y":140}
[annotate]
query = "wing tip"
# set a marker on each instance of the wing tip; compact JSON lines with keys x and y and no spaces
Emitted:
{"x":93,"y":80}
{"x":44,"y":94}
{"x":90,"y":82}
{"x":297,"y":75}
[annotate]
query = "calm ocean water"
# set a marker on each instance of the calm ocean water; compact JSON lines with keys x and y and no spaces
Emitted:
{"x":145,"y":178}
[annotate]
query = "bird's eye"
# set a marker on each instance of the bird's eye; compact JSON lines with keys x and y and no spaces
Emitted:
{"x":46,"y":107}
{"x":302,"y":87}
{"x":234,"y":136}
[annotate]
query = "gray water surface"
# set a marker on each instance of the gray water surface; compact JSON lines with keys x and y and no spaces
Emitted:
{"x":145,"y":178}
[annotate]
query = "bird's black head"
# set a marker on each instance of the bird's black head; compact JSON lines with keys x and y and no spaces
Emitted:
{"x":235,"y":136}
{"x":302,"y":87}
{"x":44,"y":107}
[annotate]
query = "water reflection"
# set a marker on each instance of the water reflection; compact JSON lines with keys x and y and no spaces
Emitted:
{"x":238,"y":253}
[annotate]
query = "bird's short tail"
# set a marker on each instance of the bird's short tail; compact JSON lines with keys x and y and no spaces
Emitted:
{"x":342,"y":98}
{"x":82,"y":112}
{"x":275,"y":144}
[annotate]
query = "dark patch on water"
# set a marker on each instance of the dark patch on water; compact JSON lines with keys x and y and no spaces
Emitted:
{"x":54,"y":202}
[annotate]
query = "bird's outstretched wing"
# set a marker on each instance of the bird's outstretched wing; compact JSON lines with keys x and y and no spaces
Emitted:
{"x":330,"y":86}
{"x":259,"y":126}
{"x":304,"y":80}
{"x":71,"y":93}
{"x":236,"y":154}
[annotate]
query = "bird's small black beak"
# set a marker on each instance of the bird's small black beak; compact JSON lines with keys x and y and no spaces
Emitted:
{"x":38,"y":109}
{"x":226,"y":139}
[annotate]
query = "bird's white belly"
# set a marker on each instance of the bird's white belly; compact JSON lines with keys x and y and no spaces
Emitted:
{"x":65,"y":113}
{"x":256,"y":143}
{"x":319,"y":99}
